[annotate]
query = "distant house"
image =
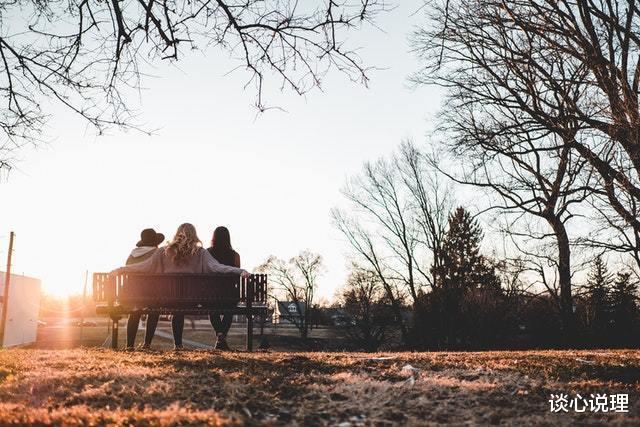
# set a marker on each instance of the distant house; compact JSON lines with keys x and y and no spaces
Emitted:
{"x":288,"y":312}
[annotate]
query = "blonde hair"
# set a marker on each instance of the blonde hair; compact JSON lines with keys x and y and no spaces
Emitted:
{"x":184,"y":244}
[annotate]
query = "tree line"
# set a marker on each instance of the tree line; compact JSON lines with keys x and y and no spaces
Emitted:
{"x":483,"y":302}
{"x":541,"y":118}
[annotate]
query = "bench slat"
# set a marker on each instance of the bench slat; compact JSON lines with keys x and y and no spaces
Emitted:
{"x":119,"y":310}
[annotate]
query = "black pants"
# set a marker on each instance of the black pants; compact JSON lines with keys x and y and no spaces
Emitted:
{"x":132,"y":328}
{"x":220,"y":326}
{"x":177,"y":325}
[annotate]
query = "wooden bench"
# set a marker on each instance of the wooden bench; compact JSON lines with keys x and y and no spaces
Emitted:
{"x":190,"y":294}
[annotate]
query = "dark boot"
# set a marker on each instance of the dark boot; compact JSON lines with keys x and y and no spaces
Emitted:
{"x":177,"y":326}
{"x":132,"y":329}
{"x":221,"y":343}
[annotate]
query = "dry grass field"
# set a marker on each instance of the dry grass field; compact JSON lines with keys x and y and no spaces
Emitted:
{"x":99,"y":386}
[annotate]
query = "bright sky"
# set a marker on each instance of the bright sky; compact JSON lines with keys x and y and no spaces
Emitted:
{"x":80,"y":203}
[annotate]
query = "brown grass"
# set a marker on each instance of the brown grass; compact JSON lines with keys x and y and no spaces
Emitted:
{"x":98,"y":386}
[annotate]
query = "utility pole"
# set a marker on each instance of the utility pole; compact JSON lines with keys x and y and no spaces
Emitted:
{"x":5,"y":298}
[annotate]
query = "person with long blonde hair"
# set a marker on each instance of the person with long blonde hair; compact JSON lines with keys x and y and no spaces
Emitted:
{"x":183,"y":254}
{"x":184,"y":245}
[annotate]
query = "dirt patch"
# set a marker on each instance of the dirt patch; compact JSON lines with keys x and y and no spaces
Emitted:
{"x":5,"y":373}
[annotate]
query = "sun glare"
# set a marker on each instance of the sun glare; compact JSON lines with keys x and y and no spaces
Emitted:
{"x":61,"y":288}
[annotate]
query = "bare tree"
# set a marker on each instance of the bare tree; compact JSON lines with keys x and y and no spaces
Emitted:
{"x":365,"y":301}
{"x":368,"y":249}
{"x":396,"y":218}
{"x":519,"y":110}
{"x":432,"y":203}
{"x":86,"y":55}
{"x":608,"y":232}
{"x":568,"y":67}
{"x":528,"y":176}
{"x":297,"y":281}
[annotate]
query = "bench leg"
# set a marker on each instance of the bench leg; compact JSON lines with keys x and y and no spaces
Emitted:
{"x":249,"y":332}
{"x":264,"y":342}
{"x":114,"y":333}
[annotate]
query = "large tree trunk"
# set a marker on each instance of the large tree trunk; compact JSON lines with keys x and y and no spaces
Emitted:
{"x":564,"y":278}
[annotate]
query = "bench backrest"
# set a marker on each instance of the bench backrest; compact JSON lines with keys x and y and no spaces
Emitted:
{"x":178,"y":290}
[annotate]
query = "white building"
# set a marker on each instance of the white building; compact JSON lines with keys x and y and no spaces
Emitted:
{"x":22,"y":314}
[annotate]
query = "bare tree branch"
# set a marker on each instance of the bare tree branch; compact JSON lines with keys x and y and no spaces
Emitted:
{"x":84,"y":55}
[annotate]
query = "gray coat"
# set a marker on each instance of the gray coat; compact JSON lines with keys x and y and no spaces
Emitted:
{"x":200,"y":262}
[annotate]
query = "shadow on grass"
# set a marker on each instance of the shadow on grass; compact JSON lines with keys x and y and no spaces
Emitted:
{"x":5,"y":373}
{"x":305,"y":388}
{"x":198,"y":380}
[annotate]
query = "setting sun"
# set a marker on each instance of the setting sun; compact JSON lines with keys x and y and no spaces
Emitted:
{"x":59,"y":284}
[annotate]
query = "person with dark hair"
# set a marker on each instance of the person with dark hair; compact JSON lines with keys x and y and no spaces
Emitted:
{"x":145,"y":248}
{"x":223,"y":252}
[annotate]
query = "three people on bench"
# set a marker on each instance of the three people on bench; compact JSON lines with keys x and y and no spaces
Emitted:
{"x":185,"y":254}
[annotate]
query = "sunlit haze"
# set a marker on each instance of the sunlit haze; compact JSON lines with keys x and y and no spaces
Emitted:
{"x":80,"y":202}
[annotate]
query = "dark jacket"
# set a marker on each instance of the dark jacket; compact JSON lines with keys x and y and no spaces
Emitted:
{"x":229,"y":258}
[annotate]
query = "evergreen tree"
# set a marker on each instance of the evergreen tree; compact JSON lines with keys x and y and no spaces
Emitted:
{"x":463,"y":267}
{"x":466,"y":281}
{"x":624,"y":309}
{"x":598,"y":308}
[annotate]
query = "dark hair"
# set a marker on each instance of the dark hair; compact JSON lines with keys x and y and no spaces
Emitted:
{"x":221,"y":248}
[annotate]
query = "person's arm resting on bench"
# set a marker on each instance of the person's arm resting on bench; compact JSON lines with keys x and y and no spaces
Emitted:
{"x":149,"y":265}
{"x":212,"y":265}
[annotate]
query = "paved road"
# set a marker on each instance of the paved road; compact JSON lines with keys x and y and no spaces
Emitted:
{"x":189,"y":343}
{"x":169,"y":336}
